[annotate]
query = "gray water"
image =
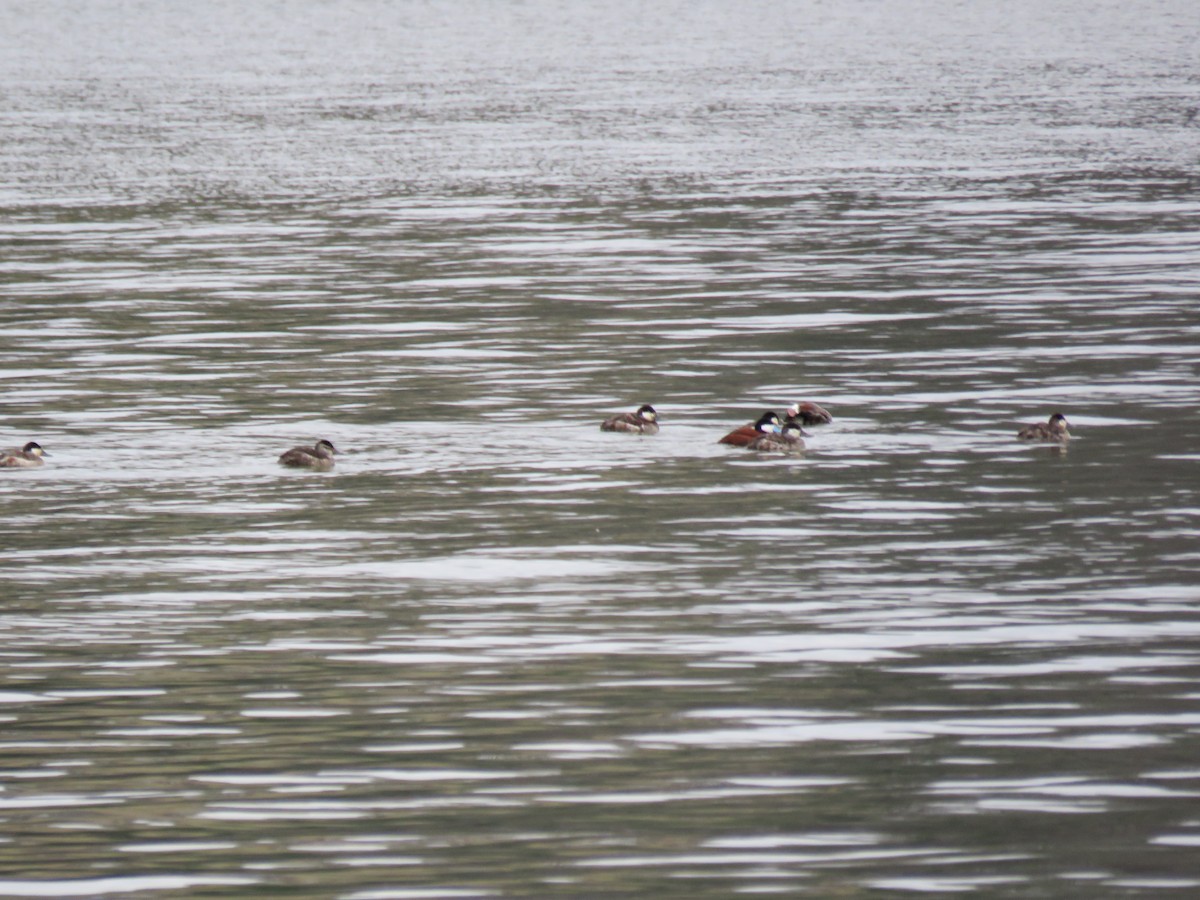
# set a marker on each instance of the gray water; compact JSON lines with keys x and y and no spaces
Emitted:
{"x":498,"y":653}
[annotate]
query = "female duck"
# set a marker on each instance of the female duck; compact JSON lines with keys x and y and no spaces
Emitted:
{"x":1053,"y":430}
{"x":319,"y":457}
{"x":808,"y":413}
{"x":643,"y":421}
{"x":740,"y":437}
{"x":788,"y":440}
{"x":26,"y":457}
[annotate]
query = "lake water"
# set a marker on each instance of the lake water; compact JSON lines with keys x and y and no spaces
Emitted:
{"x":498,"y":653}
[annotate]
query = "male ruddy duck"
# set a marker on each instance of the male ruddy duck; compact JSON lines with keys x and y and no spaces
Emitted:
{"x":742,"y":436}
{"x":319,"y":456}
{"x":808,"y":413}
{"x":643,"y":421}
{"x":788,"y":440}
{"x":768,"y":423}
{"x":24,"y":458}
{"x":1053,"y":430}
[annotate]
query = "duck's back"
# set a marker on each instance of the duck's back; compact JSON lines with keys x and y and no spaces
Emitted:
{"x":809,"y":413}
{"x":630,"y":423}
{"x":776,"y":443}
{"x":304,"y":458}
{"x":22,"y":457}
{"x":1054,"y":430}
{"x":19,"y":461}
{"x":740,"y":437}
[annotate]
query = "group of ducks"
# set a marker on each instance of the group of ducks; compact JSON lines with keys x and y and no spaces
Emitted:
{"x":769,"y":435}
{"x":766,"y":435}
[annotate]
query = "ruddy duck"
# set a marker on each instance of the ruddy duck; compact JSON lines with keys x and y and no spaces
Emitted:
{"x":788,"y":440}
{"x":740,"y":437}
{"x":319,"y":456}
{"x":1054,"y":430}
{"x":26,"y":457}
{"x":808,"y":413}
{"x":644,"y":421}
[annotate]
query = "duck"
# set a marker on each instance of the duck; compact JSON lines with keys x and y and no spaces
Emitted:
{"x":788,"y":440}
{"x":1053,"y":430}
{"x":319,"y":456}
{"x":742,"y":436}
{"x":23,"y":458}
{"x":808,"y":413}
{"x":643,"y":421}
{"x":767,"y":423}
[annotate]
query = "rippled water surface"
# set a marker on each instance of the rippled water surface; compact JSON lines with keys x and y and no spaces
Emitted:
{"x":497,"y":652}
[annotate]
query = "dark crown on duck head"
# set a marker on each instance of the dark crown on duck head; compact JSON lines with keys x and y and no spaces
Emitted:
{"x":646,"y":411}
{"x":797,"y":424}
{"x":766,"y":422}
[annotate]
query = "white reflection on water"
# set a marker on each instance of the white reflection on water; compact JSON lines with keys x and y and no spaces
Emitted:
{"x":479,"y":567}
{"x":117,"y":884}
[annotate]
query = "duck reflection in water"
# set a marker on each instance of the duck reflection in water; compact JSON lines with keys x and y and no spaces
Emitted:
{"x":643,"y":421}
{"x":319,"y":456}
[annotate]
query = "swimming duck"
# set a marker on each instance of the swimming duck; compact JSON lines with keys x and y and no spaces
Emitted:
{"x":644,"y":421}
{"x":742,"y":436}
{"x":788,"y":440}
{"x":1053,"y":430}
{"x":809,"y":413}
{"x":319,"y":456}
{"x":26,"y":457}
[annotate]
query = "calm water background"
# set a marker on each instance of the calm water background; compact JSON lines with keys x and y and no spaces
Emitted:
{"x":497,"y":653}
